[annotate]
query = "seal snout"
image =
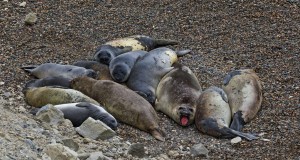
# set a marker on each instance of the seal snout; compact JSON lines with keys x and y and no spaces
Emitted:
{"x":103,"y":57}
{"x":185,"y":114}
{"x":119,"y":73}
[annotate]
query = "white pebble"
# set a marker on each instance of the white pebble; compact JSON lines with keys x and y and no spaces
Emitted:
{"x":236,"y":140}
{"x":23,"y":4}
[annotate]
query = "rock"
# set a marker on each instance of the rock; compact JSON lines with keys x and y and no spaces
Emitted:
{"x":71,"y":144}
{"x":97,"y":156}
{"x":23,"y":4}
{"x":199,"y":150}
{"x":83,"y":156}
{"x":95,"y":129}
{"x":50,"y":114}
{"x":173,"y":153}
{"x":1,"y":83}
{"x":59,"y":152}
{"x":30,"y":19}
{"x":235,"y":140}
{"x":137,"y":150}
{"x":164,"y":157}
{"x":7,"y":94}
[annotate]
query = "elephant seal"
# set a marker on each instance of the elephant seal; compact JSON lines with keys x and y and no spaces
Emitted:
{"x":244,"y":92}
{"x":120,"y":67}
{"x":54,"y":70}
{"x":101,"y":69}
{"x":177,"y":94}
{"x":111,"y":49}
{"x":213,"y":115}
{"x":124,"y":104}
{"x":38,"y":97}
{"x":148,"y":71}
{"x":48,"y":81}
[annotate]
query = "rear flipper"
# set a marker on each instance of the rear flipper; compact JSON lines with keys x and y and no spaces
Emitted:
{"x":211,"y":127}
{"x":237,"y":121}
{"x":158,"y":134}
{"x":29,"y":68}
{"x":164,"y":42}
{"x":183,"y":52}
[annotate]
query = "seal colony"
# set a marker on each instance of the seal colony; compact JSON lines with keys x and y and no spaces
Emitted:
{"x":151,"y":79}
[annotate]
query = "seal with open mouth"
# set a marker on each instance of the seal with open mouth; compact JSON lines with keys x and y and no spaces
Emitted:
{"x":177,"y":94}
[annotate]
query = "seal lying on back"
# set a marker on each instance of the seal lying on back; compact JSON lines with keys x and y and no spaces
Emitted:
{"x":177,"y":94}
{"x":101,"y":69}
{"x":120,"y":67}
{"x":38,"y":97}
{"x":213,"y":115}
{"x":244,"y":95}
{"x":148,"y":71}
{"x":48,"y":81}
{"x":77,"y":113}
{"x":124,"y":104}
{"x":54,"y":70}
{"x":111,"y":49}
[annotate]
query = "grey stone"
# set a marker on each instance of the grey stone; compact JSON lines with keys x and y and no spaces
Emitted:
{"x":83,"y":156}
{"x":96,"y":156}
{"x":50,"y":114}
{"x":59,"y":152}
{"x":199,"y":150}
{"x":95,"y":129}
{"x":137,"y":150}
{"x":30,"y":19}
{"x":71,"y":144}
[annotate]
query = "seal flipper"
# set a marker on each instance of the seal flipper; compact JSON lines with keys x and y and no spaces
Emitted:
{"x":229,"y":76}
{"x":123,"y":50}
{"x":164,"y":42}
{"x":29,"y":68}
{"x":156,"y":133}
{"x":237,"y":121}
{"x":247,"y":136}
{"x":183,"y":52}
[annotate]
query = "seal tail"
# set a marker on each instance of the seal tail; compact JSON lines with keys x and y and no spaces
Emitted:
{"x":247,"y":136}
{"x":158,"y":134}
{"x":183,"y":52}
{"x":29,"y":68}
{"x":164,"y":42}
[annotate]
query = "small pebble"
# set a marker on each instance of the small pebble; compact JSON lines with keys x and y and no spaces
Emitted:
{"x":23,"y":4}
{"x":236,"y":140}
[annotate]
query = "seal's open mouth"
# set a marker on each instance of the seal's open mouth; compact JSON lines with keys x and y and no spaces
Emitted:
{"x":184,"y":120}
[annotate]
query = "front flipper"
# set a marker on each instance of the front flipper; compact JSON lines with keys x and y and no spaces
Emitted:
{"x":229,"y":76}
{"x":237,"y":121}
{"x":183,"y":52}
{"x":158,"y":134}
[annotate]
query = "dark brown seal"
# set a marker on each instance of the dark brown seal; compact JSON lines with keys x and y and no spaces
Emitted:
{"x":124,"y":104}
{"x":101,"y":69}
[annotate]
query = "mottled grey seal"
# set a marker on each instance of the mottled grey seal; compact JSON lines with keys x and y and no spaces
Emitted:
{"x":38,"y":97}
{"x":101,"y":69}
{"x":77,"y":113}
{"x":48,"y":81}
{"x":124,"y":104}
{"x":148,"y":71}
{"x":105,"y":53}
{"x":213,"y":115}
{"x":120,"y":67}
{"x":177,"y":94}
{"x":54,"y":70}
{"x":244,"y":92}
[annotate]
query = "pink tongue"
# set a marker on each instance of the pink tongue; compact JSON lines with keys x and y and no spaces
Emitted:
{"x":184,"y":120}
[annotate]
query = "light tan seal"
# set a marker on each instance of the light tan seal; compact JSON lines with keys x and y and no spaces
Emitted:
{"x":213,"y":115}
{"x":38,"y":97}
{"x":124,"y":104}
{"x":108,"y":51}
{"x":244,"y":92}
{"x":177,"y":94}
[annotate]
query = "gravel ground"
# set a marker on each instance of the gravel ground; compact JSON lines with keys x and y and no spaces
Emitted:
{"x":223,"y":35}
